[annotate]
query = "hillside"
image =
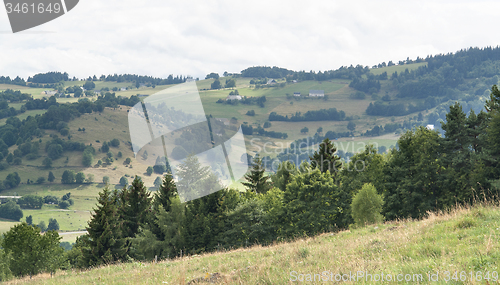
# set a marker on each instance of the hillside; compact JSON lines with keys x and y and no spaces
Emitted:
{"x":380,"y":103}
{"x":461,"y":240}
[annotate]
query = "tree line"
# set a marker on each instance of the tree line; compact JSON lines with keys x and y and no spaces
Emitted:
{"x":314,"y":115}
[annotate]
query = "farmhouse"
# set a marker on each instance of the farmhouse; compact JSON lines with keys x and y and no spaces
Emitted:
{"x":48,"y":92}
{"x":123,"y":89}
{"x":233,"y":97}
{"x":271,"y":82}
{"x":316,"y":93}
{"x":296,"y":94}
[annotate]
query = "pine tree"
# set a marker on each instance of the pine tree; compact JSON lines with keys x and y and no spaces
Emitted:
{"x":257,"y":180}
{"x":325,"y":158}
{"x":104,"y":243}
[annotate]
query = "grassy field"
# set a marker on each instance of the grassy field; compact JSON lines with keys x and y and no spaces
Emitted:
{"x":24,"y":115}
{"x":73,"y":219}
{"x":5,"y":225}
{"x":461,"y":240}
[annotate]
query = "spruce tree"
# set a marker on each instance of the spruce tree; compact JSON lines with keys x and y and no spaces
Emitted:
{"x":104,"y":243}
{"x":257,"y":179}
{"x":135,"y":208}
{"x":166,"y":192}
{"x":325,"y":158}
{"x":493,"y":131}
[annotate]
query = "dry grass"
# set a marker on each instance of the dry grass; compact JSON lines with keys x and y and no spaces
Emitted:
{"x":434,"y":244}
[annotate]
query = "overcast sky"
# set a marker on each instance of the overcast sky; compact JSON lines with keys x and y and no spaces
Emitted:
{"x":158,"y":37}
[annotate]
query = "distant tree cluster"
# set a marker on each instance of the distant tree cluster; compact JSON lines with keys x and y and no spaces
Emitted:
{"x":273,"y":134}
{"x":314,"y":115}
{"x":369,"y":85}
{"x":212,"y":75}
{"x":49,"y":77}
{"x":15,"y":81}
{"x":153,"y":81}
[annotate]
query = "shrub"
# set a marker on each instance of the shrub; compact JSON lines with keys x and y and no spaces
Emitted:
{"x":366,"y":206}
{"x":123,"y":181}
{"x":64,"y":205}
{"x":53,"y":225}
{"x":11,"y":210}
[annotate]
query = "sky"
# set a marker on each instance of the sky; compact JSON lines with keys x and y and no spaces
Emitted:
{"x":159,"y":38}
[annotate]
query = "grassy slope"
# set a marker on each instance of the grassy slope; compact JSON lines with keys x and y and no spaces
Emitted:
{"x":461,"y":240}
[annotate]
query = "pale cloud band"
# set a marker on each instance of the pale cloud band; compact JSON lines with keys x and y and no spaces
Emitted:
{"x":194,"y":38}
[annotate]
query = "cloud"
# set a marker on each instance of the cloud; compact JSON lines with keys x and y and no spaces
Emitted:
{"x":197,"y":37}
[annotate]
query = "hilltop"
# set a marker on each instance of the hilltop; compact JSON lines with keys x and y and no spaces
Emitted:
{"x":459,"y":240}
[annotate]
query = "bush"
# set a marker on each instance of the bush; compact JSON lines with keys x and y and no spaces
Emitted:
{"x":68,"y":177}
{"x":11,"y":210}
{"x":30,"y":202}
{"x":40,"y":180}
{"x":66,"y":196}
{"x":366,"y":206}
{"x":115,"y":143}
{"x":80,"y":178}
{"x":53,"y":225}
{"x":50,"y":200}
{"x":64,"y":205}
{"x":42,"y":226}
{"x":123,"y":181}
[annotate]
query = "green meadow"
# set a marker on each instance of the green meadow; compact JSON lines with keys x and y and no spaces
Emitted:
{"x":459,"y":246}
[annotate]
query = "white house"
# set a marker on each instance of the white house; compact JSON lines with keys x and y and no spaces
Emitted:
{"x":123,"y":89}
{"x":316,"y":93}
{"x":233,"y":97}
{"x":271,"y":82}
{"x":430,"y":127}
{"x":48,"y":92}
{"x":296,"y":94}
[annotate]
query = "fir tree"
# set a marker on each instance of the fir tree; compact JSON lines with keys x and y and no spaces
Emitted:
{"x":493,"y":131}
{"x":325,"y":158}
{"x":257,"y":180}
{"x":135,"y":207}
{"x":105,"y":242}
{"x":166,"y":192}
